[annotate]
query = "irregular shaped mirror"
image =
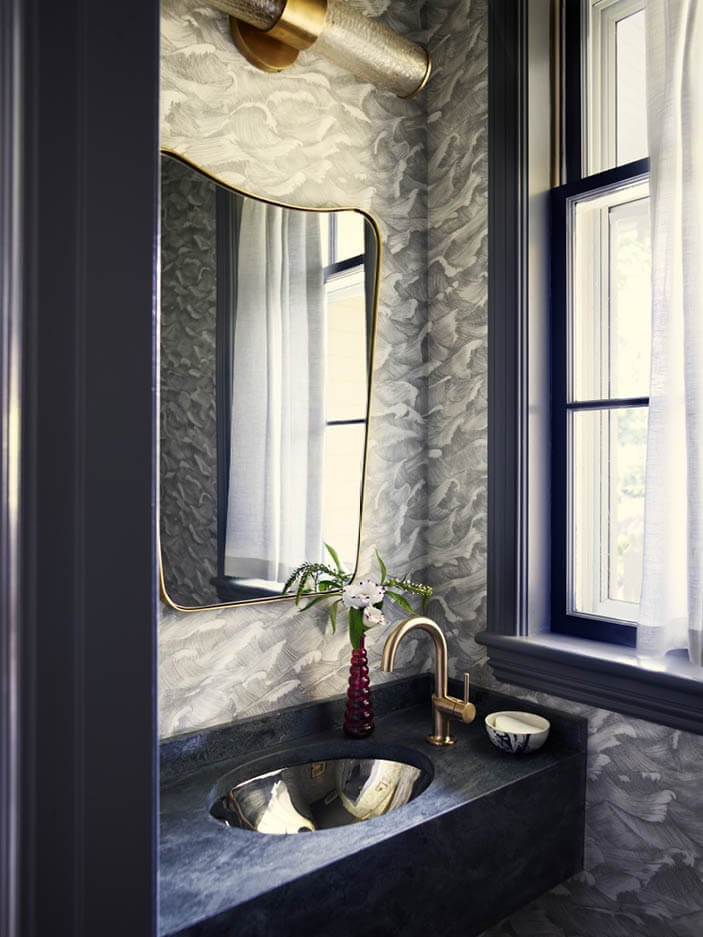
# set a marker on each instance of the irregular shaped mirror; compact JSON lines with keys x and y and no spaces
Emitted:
{"x":267,"y":326}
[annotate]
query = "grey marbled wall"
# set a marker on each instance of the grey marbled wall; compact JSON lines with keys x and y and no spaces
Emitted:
{"x":188,"y":440}
{"x":312,"y":136}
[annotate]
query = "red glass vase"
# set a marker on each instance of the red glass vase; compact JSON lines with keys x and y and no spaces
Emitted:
{"x":358,"y":716}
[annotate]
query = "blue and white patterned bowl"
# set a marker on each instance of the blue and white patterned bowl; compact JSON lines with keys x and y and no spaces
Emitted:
{"x":517,"y":732}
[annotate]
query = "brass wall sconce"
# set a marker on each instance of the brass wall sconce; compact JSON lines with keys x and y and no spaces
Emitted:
{"x":270,"y":33}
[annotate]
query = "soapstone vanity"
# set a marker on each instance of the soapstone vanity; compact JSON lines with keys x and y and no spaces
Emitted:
{"x":487,"y":834}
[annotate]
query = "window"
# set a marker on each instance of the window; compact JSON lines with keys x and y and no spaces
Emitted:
{"x":347,"y":286}
{"x":614,"y":117}
{"x":568,"y":390}
{"x":601,"y":261}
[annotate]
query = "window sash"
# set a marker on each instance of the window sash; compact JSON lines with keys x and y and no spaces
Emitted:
{"x":609,"y":626}
{"x":600,"y":19}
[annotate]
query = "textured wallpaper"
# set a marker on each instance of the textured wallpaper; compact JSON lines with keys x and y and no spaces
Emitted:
{"x":457,"y":147}
{"x":317,"y":137}
{"x":421,"y":168}
{"x":188,"y":441}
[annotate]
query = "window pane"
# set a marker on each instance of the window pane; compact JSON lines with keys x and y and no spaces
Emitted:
{"x":631,"y":89}
{"x":344,"y":451}
{"x":607,"y":466}
{"x":609,"y":280}
{"x":350,"y":235}
{"x":347,"y":370}
{"x":615,"y":87}
{"x":629,"y":310}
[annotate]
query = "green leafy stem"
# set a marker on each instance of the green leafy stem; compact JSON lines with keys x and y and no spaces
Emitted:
{"x":326,"y":581}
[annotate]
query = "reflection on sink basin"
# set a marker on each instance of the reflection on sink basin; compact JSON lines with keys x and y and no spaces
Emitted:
{"x":319,"y":795}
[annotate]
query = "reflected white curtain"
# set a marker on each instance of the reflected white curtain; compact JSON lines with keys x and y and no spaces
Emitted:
{"x":671,"y":608}
{"x":274,"y":514}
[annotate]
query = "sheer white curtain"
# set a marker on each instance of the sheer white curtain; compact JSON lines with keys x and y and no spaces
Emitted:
{"x":274,"y":513}
{"x":671,"y":608}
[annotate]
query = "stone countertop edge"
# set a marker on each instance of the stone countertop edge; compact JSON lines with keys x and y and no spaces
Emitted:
{"x":182,"y":754}
{"x":207,"y":869}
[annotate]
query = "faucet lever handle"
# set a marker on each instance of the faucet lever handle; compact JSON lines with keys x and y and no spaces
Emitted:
{"x":466,"y":687}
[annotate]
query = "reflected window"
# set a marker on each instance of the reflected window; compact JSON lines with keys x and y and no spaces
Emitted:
{"x":346,"y":289}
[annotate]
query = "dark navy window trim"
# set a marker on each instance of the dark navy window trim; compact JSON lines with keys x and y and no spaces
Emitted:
{"x":523,"y":647}
{"x":340,"y":266}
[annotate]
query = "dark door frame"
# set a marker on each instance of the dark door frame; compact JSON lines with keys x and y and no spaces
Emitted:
{"x":78,"y":610}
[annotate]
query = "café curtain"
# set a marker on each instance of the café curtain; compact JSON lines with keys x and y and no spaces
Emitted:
{"x":671,"y":606}
{"x":274,"y":509}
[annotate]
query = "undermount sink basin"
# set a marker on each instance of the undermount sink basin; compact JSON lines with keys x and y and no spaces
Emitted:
{"x":309,"y":794}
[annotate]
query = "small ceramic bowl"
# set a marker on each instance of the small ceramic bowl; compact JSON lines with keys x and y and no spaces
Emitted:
{"x":517,"y":732}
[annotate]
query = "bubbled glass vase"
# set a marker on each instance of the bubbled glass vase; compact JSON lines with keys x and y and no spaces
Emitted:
{"x":358,"y":715}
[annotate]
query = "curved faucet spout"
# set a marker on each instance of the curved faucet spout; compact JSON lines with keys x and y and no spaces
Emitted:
{"x":444,"y":707}
{"x":440,"y":648}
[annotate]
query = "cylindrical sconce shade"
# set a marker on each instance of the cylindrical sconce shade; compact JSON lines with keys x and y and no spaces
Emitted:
{"x":372,"y":52}
{"x":364,"y":47}
{"x":263,"y":14}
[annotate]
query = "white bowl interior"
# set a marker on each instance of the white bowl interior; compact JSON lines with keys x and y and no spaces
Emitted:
{"x":533,"y":723}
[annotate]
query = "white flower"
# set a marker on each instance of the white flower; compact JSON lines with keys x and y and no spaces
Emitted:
{"x":362,"y":594}
{"x":373,"y":616}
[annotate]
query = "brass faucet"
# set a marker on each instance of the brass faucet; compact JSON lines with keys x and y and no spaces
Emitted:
{"x":444,"y":707}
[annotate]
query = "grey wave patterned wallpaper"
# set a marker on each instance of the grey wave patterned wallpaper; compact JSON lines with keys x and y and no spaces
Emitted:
{"x":312,"y":136}
{"x":457,"y":289}
{"x":188,"y":438}
{"x":421,"y":167}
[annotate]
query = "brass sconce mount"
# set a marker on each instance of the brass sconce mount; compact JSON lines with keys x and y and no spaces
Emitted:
{"x":272,"y":50}
{"x":271,"y":33}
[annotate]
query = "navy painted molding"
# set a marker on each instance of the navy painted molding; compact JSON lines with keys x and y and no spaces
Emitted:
{"x":506,"y":206}
{"x":662,"y":697}
{"x":12,"y":28}
{"x":88,"y":592}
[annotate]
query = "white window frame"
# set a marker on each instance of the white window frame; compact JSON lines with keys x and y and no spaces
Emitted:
{"x":599,"y":74}
{"x":587,"y":591}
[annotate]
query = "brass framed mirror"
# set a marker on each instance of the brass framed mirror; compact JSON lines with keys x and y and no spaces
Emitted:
{"x":267,"y":326}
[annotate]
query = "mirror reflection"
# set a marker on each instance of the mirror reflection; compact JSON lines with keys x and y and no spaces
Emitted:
{"x":267,"y":326}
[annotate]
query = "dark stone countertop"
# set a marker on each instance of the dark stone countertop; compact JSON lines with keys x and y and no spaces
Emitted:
{"x":207,"y":868}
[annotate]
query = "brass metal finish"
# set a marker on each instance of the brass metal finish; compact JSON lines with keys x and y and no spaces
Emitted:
{"x":272,"y":50}
{"x":428,"y":72}
{"x":455,"y":708}
{"x":300,"y":23}
{"x":444,"y":707}
{"x":163,"y":593}
{"x":360,"y":44}
{"x":260,"y":49}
